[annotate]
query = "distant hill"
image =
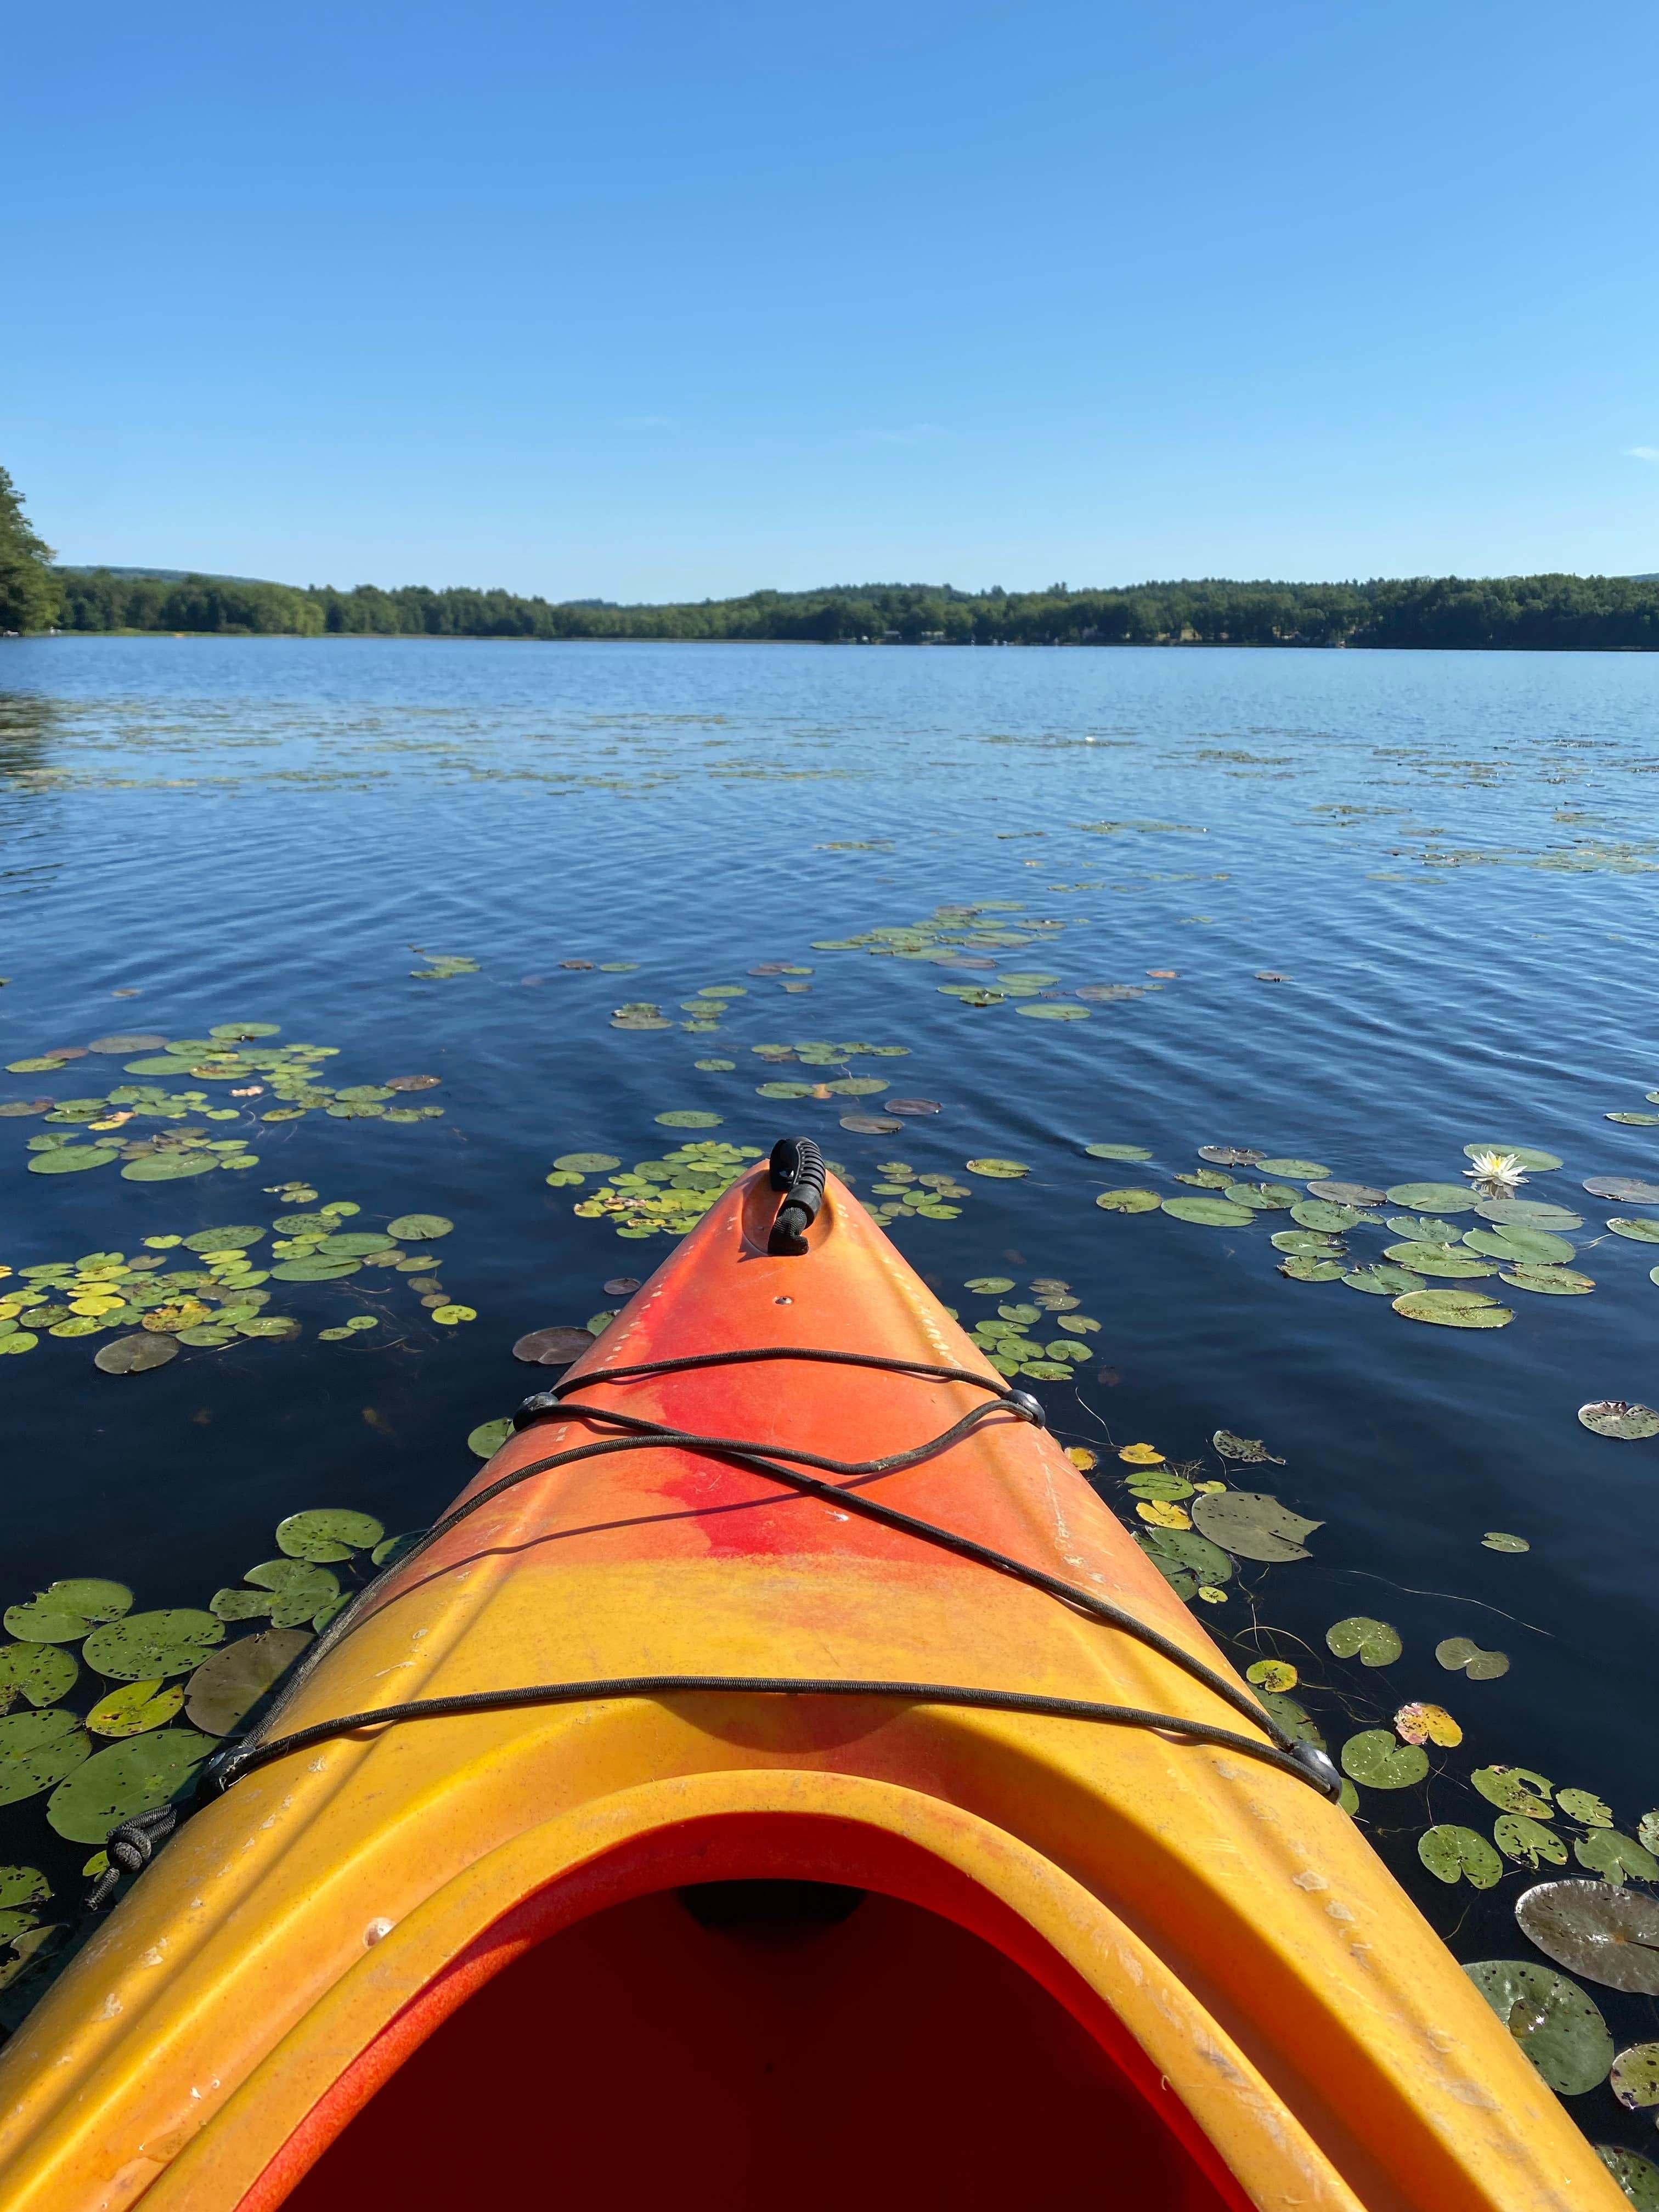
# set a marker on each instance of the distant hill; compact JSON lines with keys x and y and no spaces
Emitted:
{"x":162,"y":575}
{"x":1552,"y":613}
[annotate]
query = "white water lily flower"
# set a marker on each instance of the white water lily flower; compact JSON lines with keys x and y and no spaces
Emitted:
{"x":1496,"y":1167}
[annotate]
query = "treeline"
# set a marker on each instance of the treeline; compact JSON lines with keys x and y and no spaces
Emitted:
{"x":1537,"y":613}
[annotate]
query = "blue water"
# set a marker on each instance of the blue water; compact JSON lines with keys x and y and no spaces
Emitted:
{"x":1452,"y":858}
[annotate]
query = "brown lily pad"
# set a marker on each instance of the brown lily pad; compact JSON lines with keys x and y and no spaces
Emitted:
{"x":621,"y":1286}
{"x":15,"y":1107}
{"x":1632,"y":1189}
{"x":1347,"y":1194}
{"x":872,"y":1125}
{"x":412,"y":1082}
{"x":1608,"y":1935}
{"x":914,"y":1106}
{"x":134,"y":1040}
{"x":1228,"y":1156}
{"x":553,"y":1347}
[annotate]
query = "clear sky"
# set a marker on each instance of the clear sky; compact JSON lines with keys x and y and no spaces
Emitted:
{"x":648,"y":300}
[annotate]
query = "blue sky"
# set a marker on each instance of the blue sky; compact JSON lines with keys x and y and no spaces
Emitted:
{"x":654,"y":300}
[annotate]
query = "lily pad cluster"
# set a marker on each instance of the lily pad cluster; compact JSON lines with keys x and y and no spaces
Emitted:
{"x":976,"y":939}
{"x":146,"y":1307}
{"x":667,"y":1196}
{"x":235,"y":1073}
{"x":1038,"y":1332}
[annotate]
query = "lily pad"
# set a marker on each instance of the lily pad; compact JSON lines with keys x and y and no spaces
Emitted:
{"x":225,"y":1689}
{"x":1609,"y":1936}
{"x":1638,"y":1232}
{"x":1117,"y":1151}
{"x":418,"y":1227}
{"x":170,"y":1642}
{"x":300,"y":1588}
{"x":1628,"y":1190}
{"x":1634,"y":2079}
{"x":1514,"y":1789}
{"x":1426,"y":1259}
{"x":1383,"y":1281}
{"x":688,"y":1117}
{"x":1615,"y":1857}
{"x":1130,"y":1200}
{"x":569,"y":1163}
{"x":1347,"y":1194}
{"x":38,"y":1750}
{"x":487,"y":1439}
{"x":1637,"y":2176}
{"x":1209,"y":1212}
{"x":1309,"y":1243}
{"x":65,"y":1611}
{"x":1500,"y":1539}
{"x":1292,"y":1717}
{"x":1560,"y":2027}
{"x":1454,"y":1309}
{"x":169,"y":1167}
{"x":327,"y":1532}
{"x":1528,"y":1213}
{"x":1251,"y":1451}
{"x":318,"y":1270}
{"x":1302,"y":1268}
{"x":1520,"y":1837}
{"x":1585,"y":1805}
{"x":1182,"y":1556}
{"x":1321,"y":1213}
{"x":130,"y":1777}
{"x":1526,"y":1156}
{"x":998,"y":1170}
{"x":1302,"y":1170}
{"x":1614,"y":1417}
{"x":1277,"y":1675}
{"x":1373,"y":1643}
{"x":38,"y":1673}
{"x":1432,"y":1197}
{"x":553,"y":1347}
{"x":69,"y":1160}
{"x":1253,"y":1525}
{"x":1417,"y":1723}
{"x":1230,"y":1156}
{"x":1454,"y":1854}
{"x":1535,"y":1247}
{"x":235,"y":1239}
{"x":1262,"y":1197}
{"x":1552,"y":1282}
{"x":1376,"y":1759}
{"x":134,"y":1708}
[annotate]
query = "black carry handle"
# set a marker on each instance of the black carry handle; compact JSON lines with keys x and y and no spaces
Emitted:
{"x":797,"y":1168}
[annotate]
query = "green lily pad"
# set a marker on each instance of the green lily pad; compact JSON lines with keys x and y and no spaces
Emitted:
{"x":170,"y":1642}
{"x":1637,"y":2176}
{"x":1130,"y":1200}
{"x":1426,"y":1259}
{"x":1454,"y":1854}
{"x":1528,"y":1213}
{"x":225,"y":1689}
{"x":1552,"y":1282}
{"x":134,"y":1708}
{"x":1514,"y":1789}
{"x":1637,"y":1230}
{"x":1302,"y":1170}
{"x":1182,"y":1556}
{"x":1307,"y":1243}
{"x":1376,"y":1759}
{"x":1500,"y":1539}
{"x":38,"y":1750}
{"x":38,"y":1673}
{"x":1252,"y":1450}
{"x":1291,"y":1717}
{"x":989,"y":1286}
{"x":1302,"y":1268}
{"x":1560,"y":2027}
{"x":1261,"y":1197}
{"x":587,"y":1163}
{"x":998,"y":1170}
{"x":169,"y":1167}
{"x":324,"y":1533}
{"x":1454,"y":1309}
{"x":1527,"y":1156}
{"x":69,"y":1160}
{"x":1253,"y":1525}
{"x":65,"y":1611}
{"x":1533,"y":1247}
{"x":1608,"y":1935}
{"x":236,"y":1239}
{"x":300,"y":1588}
{"x":1383,"y":1281}
{"x":1519,"y":1838}
{"x":1616,"y":1858}
{"x":687,"y":1117}
{"x":487,"y":1439}
{"x":418,"y":1228}
{"x":1585,"y":1805}
{"x":1432,"y":1197}
{"x":390,"y":1549}
{"x":1117,"y":1151}
{"x":356,"y":1244}
{"x":1614,"y":1417}
{"x":24,"y":1887}
{"x":133,"y":1777}
{"x":318,"y":1270}
{"x":1634,"y":2079}
{"x":1320,"y":1214}
{"x":1418,"y":1229}
{"x":1062,"y":1009}
{"x":240,"y":1605}
{"x":1208,"y":1213}
{"x":1373,"y":1643}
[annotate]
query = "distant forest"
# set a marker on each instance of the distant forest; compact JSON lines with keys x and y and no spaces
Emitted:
{"x":1536,"y":613}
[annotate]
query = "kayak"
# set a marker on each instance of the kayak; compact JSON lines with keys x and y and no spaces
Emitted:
{"x":780,"y":1777}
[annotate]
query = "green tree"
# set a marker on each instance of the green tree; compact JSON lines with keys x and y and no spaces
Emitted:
{"x":29,"y":590}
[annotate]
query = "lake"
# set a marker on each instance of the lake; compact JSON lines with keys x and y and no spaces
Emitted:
{"x":1363,"y":911}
